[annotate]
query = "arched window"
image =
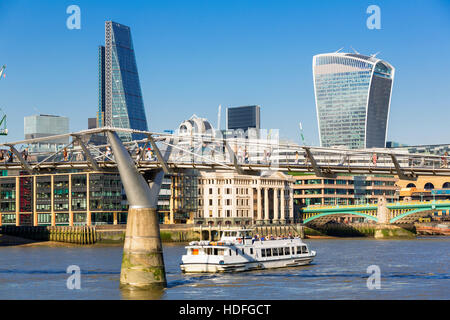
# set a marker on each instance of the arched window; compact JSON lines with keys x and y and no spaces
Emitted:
{"x":428,"y":186}
{"x":446,"y":185}
{"x":411,"y":185}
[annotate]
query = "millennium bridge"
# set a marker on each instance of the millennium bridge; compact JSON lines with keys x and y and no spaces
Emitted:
{"x":172,"y":153}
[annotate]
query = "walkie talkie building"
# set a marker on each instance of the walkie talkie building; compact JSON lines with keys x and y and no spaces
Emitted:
{"x":120,"y":98}
{"x":353,"y":94}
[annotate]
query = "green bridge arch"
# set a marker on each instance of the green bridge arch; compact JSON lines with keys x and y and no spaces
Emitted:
{"x":432,"y":208}
{"x":355,"y":213}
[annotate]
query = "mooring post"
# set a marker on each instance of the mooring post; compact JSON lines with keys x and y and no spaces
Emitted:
{"x":142,"y":263}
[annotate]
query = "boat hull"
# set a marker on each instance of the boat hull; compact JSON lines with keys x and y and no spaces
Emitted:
{"x":247,"y":266}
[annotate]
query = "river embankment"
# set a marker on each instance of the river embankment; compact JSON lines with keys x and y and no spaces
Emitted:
{"x":371,"y":230}
{"x":115,"y":234}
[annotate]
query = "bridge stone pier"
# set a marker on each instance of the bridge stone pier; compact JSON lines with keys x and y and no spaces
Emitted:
{"x":383,"y":212}
{"x":142,"y":263}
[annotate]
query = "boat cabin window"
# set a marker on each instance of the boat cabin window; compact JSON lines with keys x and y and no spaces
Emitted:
{"x":263,"y":253}
{"x":230,"y":233}
{"x":210,"y":251}
{"x":194,"y":252}
{"x":287,"y":251}
{"x":237,"y":252}
{"x":239,"y":233}
{"x":268,"y":252}
{"x":251,"y":250}
{"x":280,"y":252}
{"x":302,"y":249}
{"x":275,"y":252}
{"x":245,"y":234}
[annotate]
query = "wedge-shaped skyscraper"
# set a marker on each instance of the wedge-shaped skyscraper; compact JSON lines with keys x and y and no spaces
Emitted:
{"x":120,"y":98}
{"x":353,"y":94}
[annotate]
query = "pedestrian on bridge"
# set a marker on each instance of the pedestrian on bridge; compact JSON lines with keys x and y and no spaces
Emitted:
{"x":25,"y":154}
{"x":374,"y":159}
{"x":138,"y":153}
{"x":79,"y":157}
{"x":10,"y":156}
{"x":149,"y":154}
{"x":444,"y":160}
{"x":108,"y":153}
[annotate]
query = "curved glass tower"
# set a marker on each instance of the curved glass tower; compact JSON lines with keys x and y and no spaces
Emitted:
{"x":353,"y":94}
{"x":120,"y":98}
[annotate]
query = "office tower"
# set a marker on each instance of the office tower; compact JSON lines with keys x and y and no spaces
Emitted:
{"x":120,"y":98}
{"x":44,"y":125}
{"x":353,"y":94}
{"x":243,"y":117}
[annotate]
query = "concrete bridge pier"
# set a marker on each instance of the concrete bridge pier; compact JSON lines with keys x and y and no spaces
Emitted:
{"x":383,"y":212}
{"x":142,"y":263}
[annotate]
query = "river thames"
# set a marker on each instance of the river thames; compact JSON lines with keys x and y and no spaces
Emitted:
{"x":410,"y":269}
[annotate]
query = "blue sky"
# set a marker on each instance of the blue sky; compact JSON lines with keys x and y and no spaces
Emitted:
{"x":194,"y":55}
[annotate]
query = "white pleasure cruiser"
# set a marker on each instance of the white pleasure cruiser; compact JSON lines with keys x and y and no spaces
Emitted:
{"x":238,"y":251}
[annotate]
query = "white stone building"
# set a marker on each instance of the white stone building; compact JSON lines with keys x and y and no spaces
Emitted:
{"x":228,"y":198}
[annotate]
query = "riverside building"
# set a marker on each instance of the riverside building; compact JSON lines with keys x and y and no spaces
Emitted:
{"x":353,"y":95}
{"x":93,"y":198}
{"x":343,"y":190}
{"x":62,"y":199}
{"x":228,"y":198}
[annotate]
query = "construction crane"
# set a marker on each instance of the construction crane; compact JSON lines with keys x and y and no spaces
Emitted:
{"x":3,"y":129}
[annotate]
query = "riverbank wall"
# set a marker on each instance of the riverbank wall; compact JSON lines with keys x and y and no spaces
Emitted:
{"x":77,"y":235}
{"x":378,"y":231}
{"x":187,"y":232}
{"x":89,"y":235}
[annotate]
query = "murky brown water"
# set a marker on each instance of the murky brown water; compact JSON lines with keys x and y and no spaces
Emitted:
{"x":410,"y":269}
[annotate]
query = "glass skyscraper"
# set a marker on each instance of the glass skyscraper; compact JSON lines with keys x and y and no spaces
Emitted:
{"x":353,"y":94}
{"x":120,"y":98}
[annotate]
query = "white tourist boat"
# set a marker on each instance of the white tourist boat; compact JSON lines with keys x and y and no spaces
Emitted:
{"x":238,"y":251}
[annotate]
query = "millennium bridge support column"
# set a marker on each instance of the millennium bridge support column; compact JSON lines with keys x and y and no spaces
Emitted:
{"x":142,"y":263}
